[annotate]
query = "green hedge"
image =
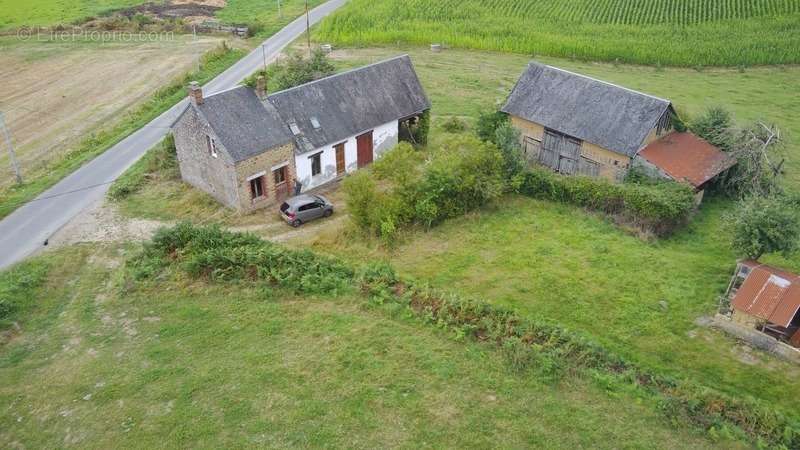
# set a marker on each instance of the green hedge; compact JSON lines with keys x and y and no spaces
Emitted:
{"x":659,"y":208}
{"x":209,"y":252}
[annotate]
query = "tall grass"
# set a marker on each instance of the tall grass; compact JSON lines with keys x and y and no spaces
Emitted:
{"x":667,"y":32}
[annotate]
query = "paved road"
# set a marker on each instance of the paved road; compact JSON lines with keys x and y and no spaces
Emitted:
{"x":25,"y":230}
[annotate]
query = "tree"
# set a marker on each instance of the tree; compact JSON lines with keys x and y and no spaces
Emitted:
{"x":759,"y":164}
{"x":765,"y":225}
{"x":716,"y":127}
{"x":488,"y":123}
{"x":508,"y":139}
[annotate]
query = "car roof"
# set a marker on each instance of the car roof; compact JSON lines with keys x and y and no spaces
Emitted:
{"x":301,"y":200}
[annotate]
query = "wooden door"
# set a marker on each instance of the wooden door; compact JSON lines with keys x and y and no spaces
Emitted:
{"x":364,"y":145}
{"x":340,"y":165}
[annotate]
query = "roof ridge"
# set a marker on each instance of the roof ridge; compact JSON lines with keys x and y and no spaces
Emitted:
{"x":224,"y":91}
{"x":601,"y":81}
{"x":337,"y":75}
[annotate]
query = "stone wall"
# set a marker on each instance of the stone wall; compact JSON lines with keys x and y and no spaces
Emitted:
{"x":213,"y":175}
{"x":264,"y":164}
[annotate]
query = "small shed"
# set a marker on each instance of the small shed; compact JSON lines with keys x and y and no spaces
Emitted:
{"x":685,"y":157}
{"x":766,"y":298}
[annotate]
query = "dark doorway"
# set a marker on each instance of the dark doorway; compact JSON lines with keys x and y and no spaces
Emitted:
{"x":364,"y":144}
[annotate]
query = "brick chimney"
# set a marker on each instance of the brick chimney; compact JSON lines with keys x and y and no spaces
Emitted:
{"x":261,"y":87}
{"x":195,"y":93}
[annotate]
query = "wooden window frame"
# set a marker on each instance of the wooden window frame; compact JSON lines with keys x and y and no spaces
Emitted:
{"x":258,"y":184}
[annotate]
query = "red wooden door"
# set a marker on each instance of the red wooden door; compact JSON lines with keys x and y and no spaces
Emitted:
{"x":364,"y":145}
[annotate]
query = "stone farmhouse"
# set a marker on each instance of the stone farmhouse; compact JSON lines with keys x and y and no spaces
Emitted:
{"x":576,"y":124}
{"x":250,"y":150}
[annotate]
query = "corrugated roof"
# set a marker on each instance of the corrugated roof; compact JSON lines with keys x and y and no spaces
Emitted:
{"x":245,"y":125}
{"x":602,"y":113}
{"x":769,"y":293}
{"x":352,"y":102}
{"x":686,"y":157}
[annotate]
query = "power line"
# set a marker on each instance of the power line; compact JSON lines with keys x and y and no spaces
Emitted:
{"x":11,"y":154}
{"x":60,"y":194}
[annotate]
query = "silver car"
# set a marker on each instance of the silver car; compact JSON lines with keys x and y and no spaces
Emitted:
{"x":305,"y":208}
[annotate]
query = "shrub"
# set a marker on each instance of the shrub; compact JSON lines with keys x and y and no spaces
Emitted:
{"x":224,"y":256}
{"x":454,"y":125}
{"x":488,"y":123}
{"x":460,"y":176}
{"x":421,"y":128}
{"x":17,"y":288}
{"x":765,"y":225}
{"x":659,"y":208}
{"x":507,"y":139}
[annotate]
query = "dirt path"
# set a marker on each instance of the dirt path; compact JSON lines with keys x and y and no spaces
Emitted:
{"x":103,"y":223}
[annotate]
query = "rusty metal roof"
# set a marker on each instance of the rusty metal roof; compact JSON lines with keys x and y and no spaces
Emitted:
{"x":686,"y":157}
{"x":769,"y":293}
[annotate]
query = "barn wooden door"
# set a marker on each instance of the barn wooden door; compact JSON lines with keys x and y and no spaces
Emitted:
{"x":340,"y":164}
{"x":364,"y":145}
{"x":560,"y":152}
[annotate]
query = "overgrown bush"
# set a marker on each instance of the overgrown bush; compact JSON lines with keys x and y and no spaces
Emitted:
{"x":221,"y":255}
{"x":488,"y":123}
{"x":454,"y":125}
{"x":401,"y":190}
{"x":659,"y":208}
{"x":17,"y":288}
{"x":765,"y":225}
{"x":508,"y":140}
{"x":160,"y":162}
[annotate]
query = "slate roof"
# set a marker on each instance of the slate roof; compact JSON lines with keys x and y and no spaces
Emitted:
{"x":351,"y":102}
{"x":601,"y":113}
{"x":686,"y":157}
{"x":244,"y":124}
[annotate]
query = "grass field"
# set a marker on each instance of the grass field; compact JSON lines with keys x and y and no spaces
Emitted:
{"x":177,"y":363}
{"x":665,"y":32}
{"x":16,"y":13}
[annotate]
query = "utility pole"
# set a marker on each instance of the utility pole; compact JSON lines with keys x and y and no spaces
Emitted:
{"x":280,"y":13}
{"x":264,"y":55}
{"x":11,"y":154}
{"x":308,"y":30}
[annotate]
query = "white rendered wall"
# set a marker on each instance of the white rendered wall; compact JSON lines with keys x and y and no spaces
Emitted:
{"x":384,"y":138}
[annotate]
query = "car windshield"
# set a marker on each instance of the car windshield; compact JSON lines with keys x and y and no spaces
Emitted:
{"x":284,"y":207}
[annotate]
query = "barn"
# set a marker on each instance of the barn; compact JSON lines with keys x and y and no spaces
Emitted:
{"x":576,"y":124}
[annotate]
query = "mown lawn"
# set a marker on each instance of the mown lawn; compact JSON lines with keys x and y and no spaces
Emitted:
{"x":17,"y":13}
{"x":168,"y":363}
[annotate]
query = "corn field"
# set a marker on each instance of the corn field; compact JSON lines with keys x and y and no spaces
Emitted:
{"x":662,"y":32}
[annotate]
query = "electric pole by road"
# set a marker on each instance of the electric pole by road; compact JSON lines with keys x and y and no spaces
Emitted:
{"x":11,"y":154}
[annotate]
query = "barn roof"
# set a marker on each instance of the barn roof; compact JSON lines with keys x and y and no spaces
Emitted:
{"x":611,"y":116}
{"x":768,"y":293}
{"x":686,"y":157}
{"x":332,"y":109}
{"x":244,"y":124}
